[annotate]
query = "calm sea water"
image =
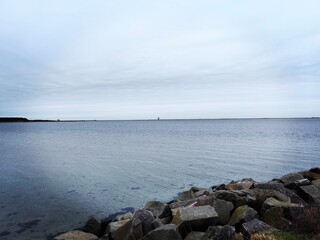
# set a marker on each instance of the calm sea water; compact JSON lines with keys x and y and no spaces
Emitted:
{"x":53,"y":176}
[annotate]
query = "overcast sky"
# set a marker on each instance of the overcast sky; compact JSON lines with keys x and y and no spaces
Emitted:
{"x":142,"y":59}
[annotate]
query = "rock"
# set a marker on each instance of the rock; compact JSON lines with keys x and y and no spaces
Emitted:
{"x":261,"y":195}
{"x":136,"y":228}
{"x":254,"y":226}
{"x":158,"y":209}
{"x":316,"y":183}
{"x":291,"y":177}
{"x":237,"y":197}
{"x":291,"y":210}
{"x":165,"y":232}
{"x":244,"y":184}
{"x":310,"y":193}
{"x":242,"y":214}
{"x":296,"y":184}
{"x":195,"y":219}
{"x":93,"y":226}
{"x":220,"y":233}
{"x":294,"y":198}
{"x":76,"y":235}
{"x":146,"y":219}
{"x":197,"y":192}
{"x":156,"y":223}
{"x":199,"y":201}
{"x":223,"y":208}
{"x":311,"y":175}
{"x":120,"y":230}
{"x":315,"y":170}
{"x":194,"y":236}
{"x":186,"y":195}
{"x":275,"y":218}
{"x":124,"y":216}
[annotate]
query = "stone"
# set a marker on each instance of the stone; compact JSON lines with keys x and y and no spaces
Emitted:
{"x":136,"y":228}
{"x":237,"y":197}
{"x":146,"y":218}
{"x":275,"y":218}
{"x":156,"y":223}
{"x":197,"y":192}
{"x":242,"y":214}
{"x":199,"y":201}
{"x":124,"y":216}
{"x":223,"y":208}
{"x":93,"y":225}
{"x":296,"y":184}
{"x":158,"y":209}
{"x":316,"y":183}
{"x":291,"y":210}
{"x":194,"y":236}
{"x":244,"y":184}
{"x":311,"y":175}
{"x":291,"y":177}
{"x":315,"y":170}
{"x":76,"y":235}
{"x":165,"y":232}
{"x":186,"y":195}
{"x":195,"y":219}
{"x":310,"y":193}
{"x":120,"y":230}
{"x":254,"y":226}
{"x":262,"y":194}
{"x":220,"y":233}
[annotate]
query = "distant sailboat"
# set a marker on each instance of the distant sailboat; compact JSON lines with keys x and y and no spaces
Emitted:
{"x":158,"y":118}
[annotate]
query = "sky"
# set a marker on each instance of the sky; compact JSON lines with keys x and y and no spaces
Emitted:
{"x":144,"y":59}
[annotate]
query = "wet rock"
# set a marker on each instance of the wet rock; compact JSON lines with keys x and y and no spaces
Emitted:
{"x":76,"y":235}
{"x":310,"y":193}
{"x":158,"y":209}
{"x":237,"y":197}
{"x":254,"y":226}
{"x":146,"y":219}
{"x":311,"y":175}
{"x":220,"y":233}
{"x":165,"y":232}
{"x":194,"y":236}
{"x":242,"y":214}
{"x":291,"y":177}
{"x":195,"y":219}
{"x":275,"y":218}
{"x":93,"y":226}
{"x":223,"y":208}
{"x":316,"y":183}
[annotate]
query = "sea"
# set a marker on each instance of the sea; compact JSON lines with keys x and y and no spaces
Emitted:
{"x":55,"y":175}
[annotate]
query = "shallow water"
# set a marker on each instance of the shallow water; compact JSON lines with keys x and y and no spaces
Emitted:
{"x":53,"y":176}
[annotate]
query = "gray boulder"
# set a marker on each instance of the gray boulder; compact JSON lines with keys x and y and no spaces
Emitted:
{"x":237,"y":197}
{"x":310,"y":193}
{"x":165,"y":232}
{"x":275,"y":218}
{"x":255,"y":226}
{"x":120,"y":230}
{"x":195,"y":219}
{"x":158,"y":209}
{"x":223,"y":208}
{"x":76,"y":235}
{"x":242,"y":214}
{"x":220,"y":233}
{"x":146,"y":218}
{"x":316,"y":183}
{"x":93,"y":225}
{"x":291,"y":177}
{"x":194,"y":236}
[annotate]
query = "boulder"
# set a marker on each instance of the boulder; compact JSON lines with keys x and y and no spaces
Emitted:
{"x":237,"y":197}
{"x":315,"y":170}
{"x":146,"y":218}
{"x":186,"y":195}
{"x":93,"y":225}
{"x":124,"y":216}
{"x":157,"y":223}
{"x":310,"y":193}
{"x":291,"y":177}
{"x":291,"y":210}
{"x":244,"y":184}
{"x":194,"y":236}
{"x":158,"y":209}
{"x":76,"y":235}
{"x":296,"y":184}
{"x":242,"y":214}
{"x":220,"y":233}
{"x":254,"y":226}
{"x":120,"y":230}
{"x":197,"y":192}
{"x":223,"y":208}
{"x":136,"y":228}
{"x":275,"y":218}
{"x":199,"y":201}
{"x":311,"y":175}
{"x":195,"y":219}
{"x":165,"y":232}
{"x":316,"y":183}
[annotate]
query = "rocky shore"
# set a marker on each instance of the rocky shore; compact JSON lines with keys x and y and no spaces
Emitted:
{"x":284,"y":208}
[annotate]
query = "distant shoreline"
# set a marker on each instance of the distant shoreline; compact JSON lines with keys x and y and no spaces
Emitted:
{"x":21,"y":119}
